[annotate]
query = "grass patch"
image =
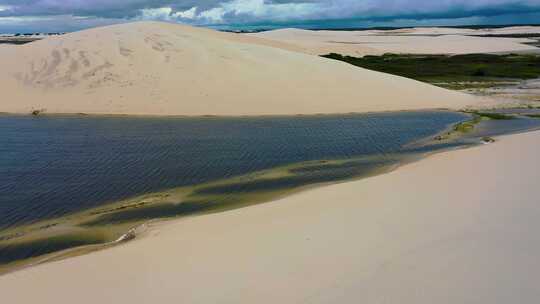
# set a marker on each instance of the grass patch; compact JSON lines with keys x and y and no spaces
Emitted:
{"x":494,"y":116}
{"x":467,"y":126}
{"x":459,"y":71}
{"x":464,"y":127}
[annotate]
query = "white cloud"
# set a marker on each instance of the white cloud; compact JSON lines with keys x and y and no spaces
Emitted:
{"x":248,"y":11}
{"x":265,"y":10}
{"x":234,"y":9}
{"x":212,"y":15}
{"x":187,"y":14}
{"x":57,"y":23}
{"x":261,"y":9}
{"x":24,"y":19}
{"x":162,"y":13}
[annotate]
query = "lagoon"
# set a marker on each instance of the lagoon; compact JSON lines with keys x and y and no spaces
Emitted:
{"x":71,"y":181}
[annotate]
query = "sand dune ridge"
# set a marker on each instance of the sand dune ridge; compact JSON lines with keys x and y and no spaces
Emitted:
{"x":169,"y":69}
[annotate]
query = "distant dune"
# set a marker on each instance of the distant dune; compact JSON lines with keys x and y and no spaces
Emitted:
{"x":409,"y":40}
{"x":168,"y":69}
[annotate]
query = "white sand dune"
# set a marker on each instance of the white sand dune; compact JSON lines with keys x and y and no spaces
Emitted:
{"x":459,"y":227}
{"x":408,"y":41}
{"x":458,"y":31}
{"x":169,"y":69}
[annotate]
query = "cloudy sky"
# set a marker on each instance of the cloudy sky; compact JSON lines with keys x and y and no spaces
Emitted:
{"x":68,"y":15}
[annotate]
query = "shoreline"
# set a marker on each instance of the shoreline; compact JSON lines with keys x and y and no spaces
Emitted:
{"x":159,"y":233}
{"x":119,"y":230}
{"x":140,"y":229}
{"x":240,"y":116}
{"x":70,"y":221}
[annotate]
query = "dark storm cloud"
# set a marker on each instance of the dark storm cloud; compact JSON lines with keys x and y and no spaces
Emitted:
{"x":255,"y":11}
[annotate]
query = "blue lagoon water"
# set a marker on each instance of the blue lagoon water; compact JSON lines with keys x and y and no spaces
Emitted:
{"x":71,"y":181}
{"x":51,"y":166}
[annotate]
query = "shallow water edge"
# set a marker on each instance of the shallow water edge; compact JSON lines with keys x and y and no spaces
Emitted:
{"x":117,"y":222}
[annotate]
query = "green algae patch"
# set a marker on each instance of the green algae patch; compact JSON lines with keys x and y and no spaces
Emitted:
{"x":494,"y":116}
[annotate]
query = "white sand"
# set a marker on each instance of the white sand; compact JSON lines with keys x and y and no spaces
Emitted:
{"x":169,"y":69}
{"x":408,"y":41}
{"x":459,"y":227}
{"x":459,"y":31}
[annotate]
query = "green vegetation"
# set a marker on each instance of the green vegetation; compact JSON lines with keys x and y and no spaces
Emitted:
{"x":455,"y":72}
{"x":466,"y":126}
{"x":494,"y":116}
{"x":469,"y":125}
{"x":535,"y":43}
{"x":533,"y":115}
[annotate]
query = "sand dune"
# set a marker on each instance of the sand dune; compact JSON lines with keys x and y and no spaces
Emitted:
{"x":168,"y":69}
{"x":448,"y":237}
{"x":410,"y":41}
{"x":458,"y":31}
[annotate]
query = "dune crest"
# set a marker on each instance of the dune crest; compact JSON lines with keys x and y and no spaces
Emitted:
{"x":404,"y":41}
{"x":168,"y":69}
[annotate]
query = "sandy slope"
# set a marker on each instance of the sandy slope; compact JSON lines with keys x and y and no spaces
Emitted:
{"x":412,"y":41}
{"x":431,"y":232}
{"x":459,"y":31}
{"x":163,"y":69}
